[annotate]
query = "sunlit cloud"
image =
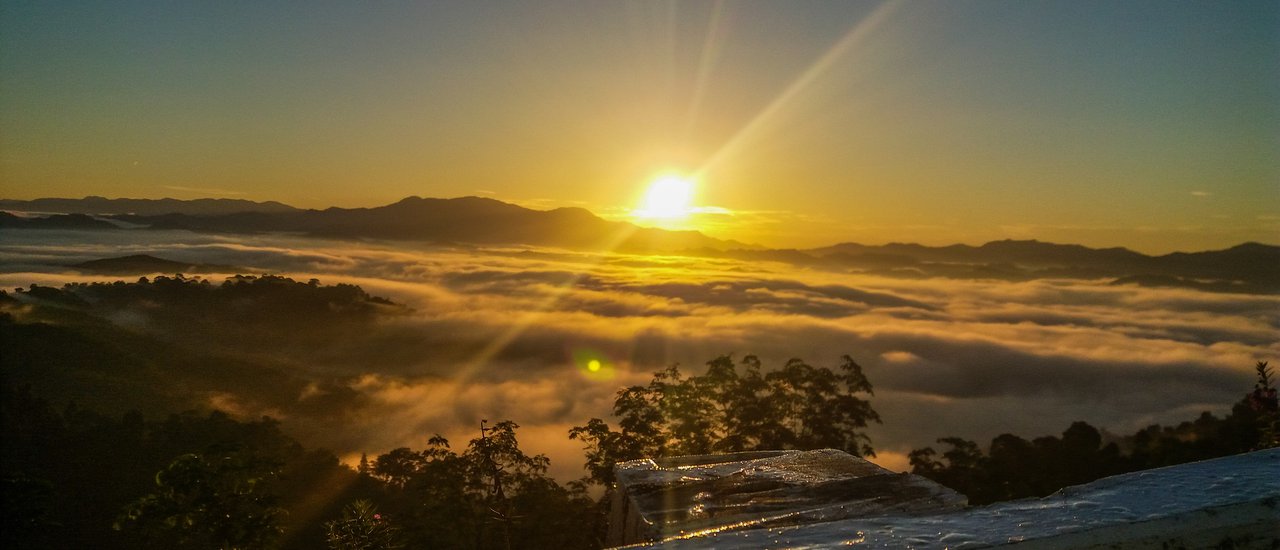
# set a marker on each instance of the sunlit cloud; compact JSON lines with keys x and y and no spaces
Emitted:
{"x":713,"y":210}
{"x":512,"y":333}
{"x":204,"y":190}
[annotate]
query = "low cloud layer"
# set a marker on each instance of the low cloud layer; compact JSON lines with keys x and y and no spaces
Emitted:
{"x":494,"y":332}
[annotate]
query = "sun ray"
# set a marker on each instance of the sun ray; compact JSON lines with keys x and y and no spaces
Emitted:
{"x":711,"y":46}
{"x":517,"y":328}
{"x":856,"y":35}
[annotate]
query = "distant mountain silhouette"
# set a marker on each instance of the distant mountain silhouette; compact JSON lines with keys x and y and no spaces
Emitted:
{"x":1169,"y":281}
{"x":1026,"y":253}
{"x":143,"y":207}
{"x":1249,"y":267}
{"x":465,"y":220}
{"x":63,"y":221}
{"x":143,"y":263}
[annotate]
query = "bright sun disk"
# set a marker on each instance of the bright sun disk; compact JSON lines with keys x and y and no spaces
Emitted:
{"x":668,"y":197}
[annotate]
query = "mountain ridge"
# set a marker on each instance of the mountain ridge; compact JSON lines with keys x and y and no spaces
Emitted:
{"x":94,"y":204}
{"x":146,"y":263}
{"x":59,"y":221}
{"x":477,"y":220}
{"x":483,"y":220}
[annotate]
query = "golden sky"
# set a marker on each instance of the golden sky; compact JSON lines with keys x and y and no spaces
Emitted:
{"x":1151,"y":125}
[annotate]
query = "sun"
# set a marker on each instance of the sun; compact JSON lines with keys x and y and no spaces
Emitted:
{"x":668,"y":198}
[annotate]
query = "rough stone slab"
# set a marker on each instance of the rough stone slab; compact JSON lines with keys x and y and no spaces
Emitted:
{"x":681,"y":496}
{"x":1231,"y":502}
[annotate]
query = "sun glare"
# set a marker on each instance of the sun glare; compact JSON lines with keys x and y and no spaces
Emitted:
{"x":668,"y":198}
{"x":593,"y":365}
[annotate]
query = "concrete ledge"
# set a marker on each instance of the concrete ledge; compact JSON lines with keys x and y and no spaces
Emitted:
{"x":1231,"y":502}
{"x":658,"y":499}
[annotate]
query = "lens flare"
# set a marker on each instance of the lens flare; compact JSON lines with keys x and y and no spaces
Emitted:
{"x":593,"y":364}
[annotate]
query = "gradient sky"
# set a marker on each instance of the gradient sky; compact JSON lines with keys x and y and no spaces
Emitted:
{"x":1153,"y":125}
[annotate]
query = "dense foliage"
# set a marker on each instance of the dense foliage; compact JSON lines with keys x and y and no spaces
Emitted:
{"x":361,"y":527}
{"x":168,"y":343}
{"x":78,"y":479}
{"x":197,"y":496}
{"x":492,"y":495}
{"x":241,"y":310}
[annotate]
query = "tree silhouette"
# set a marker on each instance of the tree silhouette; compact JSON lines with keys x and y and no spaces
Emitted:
{"x":1013,"y":468}
{"x":397,"y":466}
{"x":217,"y":501}
{"x":1263,"y":401}
{"x":491,"y":496}
{"x":798,"y":406}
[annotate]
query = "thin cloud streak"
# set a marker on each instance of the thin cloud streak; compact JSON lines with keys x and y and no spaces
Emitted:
{"x":205,"y":190}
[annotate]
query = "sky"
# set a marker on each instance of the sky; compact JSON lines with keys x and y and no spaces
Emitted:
{"x":1151,"y":125}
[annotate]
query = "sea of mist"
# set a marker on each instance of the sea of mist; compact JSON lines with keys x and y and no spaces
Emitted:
{"x":493,"y":333}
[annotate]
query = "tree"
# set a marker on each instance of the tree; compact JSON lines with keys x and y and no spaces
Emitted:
{"x":496,"y":468}
{"x":397,"y":466}
{"x":1015,"y":468}
{"x":962,"y":466}
{"x":363,"y":468}
{"x":724,"y":410}
{"x":492,"y":495}
{"x":440,"y":510}
{"x":217,"y":501}
{"x":361,"y":528}
{"x":1265,"y":404}
{"x":820,"y":409}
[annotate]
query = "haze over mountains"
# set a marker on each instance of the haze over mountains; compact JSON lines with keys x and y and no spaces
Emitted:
{"x":143,"y":207}
{"x":955,"y":338}
{"x":146,"y":263}
{"x":59,"y":221}
{"x":1249,"y":267}
{"x":467,"y":219}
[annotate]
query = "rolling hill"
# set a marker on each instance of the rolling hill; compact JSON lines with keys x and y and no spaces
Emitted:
{"x":466,"y":220}
{"x":1249,"y":267}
